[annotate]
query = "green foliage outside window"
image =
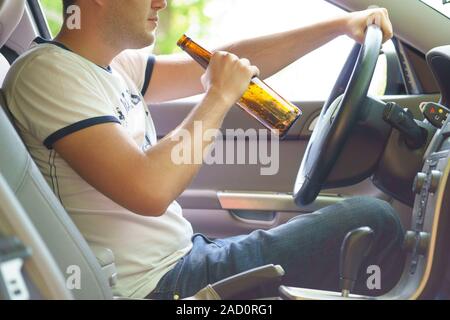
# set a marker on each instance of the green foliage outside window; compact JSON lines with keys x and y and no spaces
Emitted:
{"x":177,"y":18}
{"x":53,"y":12}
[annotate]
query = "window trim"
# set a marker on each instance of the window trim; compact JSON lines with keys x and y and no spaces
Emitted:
{"x":396,"y":84}
{"x":408,"y":68}
{"x":39,"y":19}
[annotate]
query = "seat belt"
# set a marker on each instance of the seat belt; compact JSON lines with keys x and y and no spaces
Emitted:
{"x":12,"y":255}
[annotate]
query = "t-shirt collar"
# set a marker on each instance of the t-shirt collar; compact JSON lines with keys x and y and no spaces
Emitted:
{"x":40,"y":40}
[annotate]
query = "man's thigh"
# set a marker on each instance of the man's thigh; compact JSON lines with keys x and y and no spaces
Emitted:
{"x":307,"y":247}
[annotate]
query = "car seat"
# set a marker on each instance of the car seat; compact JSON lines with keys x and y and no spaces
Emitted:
{"x":35,"y":227}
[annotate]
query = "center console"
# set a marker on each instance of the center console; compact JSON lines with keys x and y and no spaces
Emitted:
{"x":428,"y":237}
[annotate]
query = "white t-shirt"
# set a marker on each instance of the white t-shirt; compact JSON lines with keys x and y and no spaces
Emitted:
{"x":53,"y":92}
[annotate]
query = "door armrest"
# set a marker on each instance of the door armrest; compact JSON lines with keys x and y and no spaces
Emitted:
{"x":231,"y":287}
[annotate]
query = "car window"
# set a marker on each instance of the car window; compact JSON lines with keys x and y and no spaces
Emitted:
{"x":215,"y":22}
{"x":53,"y":12}
{"x":442,"y":6}
{"x":309,"y":78}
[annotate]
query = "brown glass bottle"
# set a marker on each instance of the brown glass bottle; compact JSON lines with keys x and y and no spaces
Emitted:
{"x":274,"y":112}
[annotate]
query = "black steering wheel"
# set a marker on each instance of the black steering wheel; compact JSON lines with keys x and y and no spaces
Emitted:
{"x":338,"y":117}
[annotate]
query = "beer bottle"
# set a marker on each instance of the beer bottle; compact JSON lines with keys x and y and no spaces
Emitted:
{"x":260,"y":101}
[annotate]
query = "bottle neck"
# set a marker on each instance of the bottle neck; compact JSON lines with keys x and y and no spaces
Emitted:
{"x":198,"y":53}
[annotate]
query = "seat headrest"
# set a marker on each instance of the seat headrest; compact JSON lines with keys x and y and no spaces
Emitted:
{"x":11,"y":12}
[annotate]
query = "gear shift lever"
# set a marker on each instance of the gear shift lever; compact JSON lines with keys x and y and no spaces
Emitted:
{"x":354,"y":250}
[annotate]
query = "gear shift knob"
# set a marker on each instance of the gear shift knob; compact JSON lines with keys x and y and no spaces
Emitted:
{"x":354,"y":250}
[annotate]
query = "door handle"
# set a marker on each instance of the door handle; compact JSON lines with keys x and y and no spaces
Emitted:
{"x":271,"y":201}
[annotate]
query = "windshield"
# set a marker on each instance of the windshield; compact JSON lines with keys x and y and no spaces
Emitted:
{"x":443,"y":6}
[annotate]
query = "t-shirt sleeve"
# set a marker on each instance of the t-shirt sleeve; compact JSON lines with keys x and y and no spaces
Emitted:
{"x":138,"y":65}
{"x":53,"y":97}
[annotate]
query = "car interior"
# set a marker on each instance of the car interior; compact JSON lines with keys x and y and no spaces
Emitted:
{"x":395,"y":147}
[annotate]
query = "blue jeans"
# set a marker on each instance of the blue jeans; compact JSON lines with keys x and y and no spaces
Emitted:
{"x":307,"y":247}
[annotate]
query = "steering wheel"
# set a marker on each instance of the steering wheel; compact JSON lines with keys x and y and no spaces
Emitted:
{"x":338,"y":116}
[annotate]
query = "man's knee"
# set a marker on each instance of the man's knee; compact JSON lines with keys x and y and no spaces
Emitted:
{"x":379,"y":210}
{"x":384,"y":220}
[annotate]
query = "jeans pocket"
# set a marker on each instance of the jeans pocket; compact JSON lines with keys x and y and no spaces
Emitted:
{"x":217,"y":242}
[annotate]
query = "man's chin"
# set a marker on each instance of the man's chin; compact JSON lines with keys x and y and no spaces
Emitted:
{"x":142,"y":42}
{"x":149,"y":38}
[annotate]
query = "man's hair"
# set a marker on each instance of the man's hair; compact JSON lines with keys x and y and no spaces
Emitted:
{"x":68,"y":3}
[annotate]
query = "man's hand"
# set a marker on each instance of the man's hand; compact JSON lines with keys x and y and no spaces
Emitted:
{"x":357,"y":22}
{"x":227,"y":76}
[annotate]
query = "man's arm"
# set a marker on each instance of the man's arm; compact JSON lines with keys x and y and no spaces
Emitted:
{"x":147,"y":182}
{"x":178,"y":76}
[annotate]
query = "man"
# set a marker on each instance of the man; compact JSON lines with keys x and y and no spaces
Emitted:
{"x":80,"y":104}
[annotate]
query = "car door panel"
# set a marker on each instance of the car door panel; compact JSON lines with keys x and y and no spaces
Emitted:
{"x":222,"y":196}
